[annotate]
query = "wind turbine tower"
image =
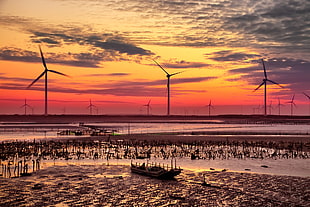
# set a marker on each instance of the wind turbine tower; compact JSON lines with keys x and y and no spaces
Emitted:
{"x":148,"y":107}
{"x":168,"y":75}
{"x":45,"y":72}
{"x":25,"y":106}
{"x":308,"y":99}
{"x":292,"y":104}
{"x":265,"y":80}
{"x":279,"y":106}
{"x":90,"y":106}
{"x":209,"y":107}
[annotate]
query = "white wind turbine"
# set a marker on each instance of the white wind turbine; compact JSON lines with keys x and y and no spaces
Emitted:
{"x":45,"y":72}
{"x":168,"y":75}
{"x":265,"y":80}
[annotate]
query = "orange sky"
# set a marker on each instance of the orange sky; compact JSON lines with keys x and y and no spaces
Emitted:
{"x":107,"y":48}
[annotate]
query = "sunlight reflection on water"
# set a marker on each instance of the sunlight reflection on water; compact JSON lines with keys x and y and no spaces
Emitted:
{"x":29,"y":132}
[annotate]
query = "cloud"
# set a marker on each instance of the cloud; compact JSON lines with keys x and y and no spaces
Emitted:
{"x":185,"y":64}
{"x":273,"y":24}
{"x":229,"y":55}
{"x":107,"y":46}
{"x":106,"y":41}
{"x":155,"y":88}
{"x":118,"y":74}
{"x":293,"y":73}
{"x":278,"y":24}
{"x":78,"y":60}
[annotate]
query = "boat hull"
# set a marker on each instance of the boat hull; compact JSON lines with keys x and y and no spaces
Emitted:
{"x":157,"y":172}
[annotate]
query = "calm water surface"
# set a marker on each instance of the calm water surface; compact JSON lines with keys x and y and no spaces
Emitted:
{"x":49,"y":131}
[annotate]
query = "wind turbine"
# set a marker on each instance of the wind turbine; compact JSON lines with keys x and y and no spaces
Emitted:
{"x":148,"y":106}
{"x":91,"y":106}
{"x":209,"y":107}
{"x":292,"y":104}
{"x":168,"y":75}
{"x":308,"y":99}
{"x":46,"y":70}
{"x":265,"y":80}
{"x":270,"y":107}
{"x":279,"y":106}
{"x":25,"y":106}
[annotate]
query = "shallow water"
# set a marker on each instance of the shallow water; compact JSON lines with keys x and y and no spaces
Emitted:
{"x":49,"y":131}
{"x":295,"y":167}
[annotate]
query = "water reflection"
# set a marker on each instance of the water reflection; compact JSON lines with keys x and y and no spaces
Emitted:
{"x":50,"y":131}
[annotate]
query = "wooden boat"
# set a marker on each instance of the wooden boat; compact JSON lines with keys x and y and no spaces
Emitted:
{"x":156,"y":171}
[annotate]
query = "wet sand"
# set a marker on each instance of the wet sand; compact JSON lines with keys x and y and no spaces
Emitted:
{"x":115,"y":185}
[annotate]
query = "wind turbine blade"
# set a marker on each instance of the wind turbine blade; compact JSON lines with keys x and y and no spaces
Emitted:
{"x":177,"y":73}
{"x":265,"y":73}
{"x":259,"y":86}
{"x":306,"y":95}
{"x":43,"y":60}
{"x":54,"y":71}
{"x":149,"y":102}
{"x":161,"y":67}
{"x":275,"y":83}
{"x":293,"y":98}
{"x":37,"y":79}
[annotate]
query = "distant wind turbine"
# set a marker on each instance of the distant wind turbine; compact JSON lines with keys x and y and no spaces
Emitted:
{"x":308,"y":99}
{"x":292,"y":104}
{"x":209,"y":107}
{"x":91,"y":106}
{"x":279,"y":106}
{"x":270,"y":107}
{"x":25,"y":106}
{"x":148,"y":106}
{"x":265,"y":80}
{"x":168,"y":75}
{"x":46,"y":70}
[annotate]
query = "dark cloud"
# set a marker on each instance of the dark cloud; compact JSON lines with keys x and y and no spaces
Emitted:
{"x":118,"y":74}
{"x":156,"y":88}
{"x":78,"y":60}
{"x":16,"y":54}
{"x":121,"y":47}
{"x":294,"y":73}
{"x":278,"y":24}
{"x":98,"y":41}
{"x":109,"y":46}
{"x":185,"y":64}
{"x":229,"y":55}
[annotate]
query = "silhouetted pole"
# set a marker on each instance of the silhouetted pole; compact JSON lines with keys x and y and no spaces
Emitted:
{"x":209,"y":110}
{"x":292,"y":109}
{"x":265,"y":99}
{"x":46,"y":113}
{"x":168,"y":86}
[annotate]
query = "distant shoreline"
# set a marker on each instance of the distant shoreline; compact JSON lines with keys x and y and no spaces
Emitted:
{"x":225,"y":119}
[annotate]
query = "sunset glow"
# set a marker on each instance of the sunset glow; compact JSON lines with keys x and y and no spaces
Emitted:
{"x":108,"y":47}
